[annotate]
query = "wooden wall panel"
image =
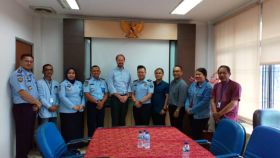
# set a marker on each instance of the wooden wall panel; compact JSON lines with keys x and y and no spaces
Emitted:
{"x":186,"y":48}
{"x":74,"y":45}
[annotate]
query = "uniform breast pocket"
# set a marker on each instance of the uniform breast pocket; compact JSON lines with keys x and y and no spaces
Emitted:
{"x":29,"y":86}
{"x":55,"y":90}
{"x":103,"y":89}
{"x":91,"y":89}
{"x":144,"y":88}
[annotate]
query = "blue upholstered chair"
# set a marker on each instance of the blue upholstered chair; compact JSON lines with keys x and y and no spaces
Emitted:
{"x":52,"y":145}
{"x":228,"y":139}
{"x":264,"y":143}
{"x":266,"y":117}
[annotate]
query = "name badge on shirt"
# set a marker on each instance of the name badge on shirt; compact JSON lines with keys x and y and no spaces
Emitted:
{"x":219,"y":105}
{"x":51,"y":100}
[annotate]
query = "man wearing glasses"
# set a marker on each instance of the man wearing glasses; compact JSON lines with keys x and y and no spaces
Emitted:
{"x":25,"y":104}
{"x":48,"y":94}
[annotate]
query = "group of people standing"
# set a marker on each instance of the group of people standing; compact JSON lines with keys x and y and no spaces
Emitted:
{"x":151,"y":99}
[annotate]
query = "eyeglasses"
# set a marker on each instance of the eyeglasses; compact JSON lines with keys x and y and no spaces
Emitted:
{"x":28,"y":61}
{"x":48,"y":69}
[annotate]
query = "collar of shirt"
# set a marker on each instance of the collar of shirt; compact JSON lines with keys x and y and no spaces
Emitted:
{"x":24,"y":71}
{"x":157,"y":84}
{"x":142,"y":81}
{"x":48,"y":81}
{"x":177,"y":80}
{"x":119,"y":68}
{"x":200,"y":85}
{"x":95,"y":79}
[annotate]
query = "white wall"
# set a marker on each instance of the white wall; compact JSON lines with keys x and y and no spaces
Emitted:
{"x":46,"y":35}
{"x":150,"y":53}
{"x":48,"y":45}
{"x":14,"y":22}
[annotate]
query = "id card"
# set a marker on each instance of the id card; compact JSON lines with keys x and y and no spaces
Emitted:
{"x":219,"y":105}
{"x":51,"y":100}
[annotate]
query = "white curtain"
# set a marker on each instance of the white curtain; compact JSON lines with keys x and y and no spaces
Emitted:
{"x":236,"y":45}
{"x":271,"y":32}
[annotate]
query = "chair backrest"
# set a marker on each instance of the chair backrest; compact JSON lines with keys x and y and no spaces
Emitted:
{"x":49,"y":140}
{"x":266,"y":117}
{"x":229,"y":137}
{"x":263,"y":143}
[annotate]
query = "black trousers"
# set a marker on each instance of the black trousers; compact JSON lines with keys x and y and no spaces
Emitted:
{"x":46,"y":120}
{"x":197,"y":126}
{"x":24,"y":117}
{"x":176,"y":122}
{"x":95,"y":117}
{"x":72,"y":125}
{"x":158,"y":119}
{"x":118,"y":111}
{"x":142,"y":115}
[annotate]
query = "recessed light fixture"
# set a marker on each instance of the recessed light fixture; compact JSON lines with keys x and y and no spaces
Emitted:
{"x":73,"y":4}
{"x":185,"y":6}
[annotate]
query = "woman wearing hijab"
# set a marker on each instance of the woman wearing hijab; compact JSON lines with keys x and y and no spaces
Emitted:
{"x":72,"y":106}
{"x":197,"y":104}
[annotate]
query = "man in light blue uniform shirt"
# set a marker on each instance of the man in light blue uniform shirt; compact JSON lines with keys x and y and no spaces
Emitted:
{"x":26,"y":104}
{"x":48,"y":93}
{"x":142,"y":90}
{"x":119,"y":81}
{"x":96,"y":93}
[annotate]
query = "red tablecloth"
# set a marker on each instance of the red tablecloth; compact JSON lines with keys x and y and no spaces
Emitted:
{"x":166,"y":142}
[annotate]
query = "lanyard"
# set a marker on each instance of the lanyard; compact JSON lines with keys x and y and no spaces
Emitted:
{"x":49,"y":84}
{"x":224,"y":87}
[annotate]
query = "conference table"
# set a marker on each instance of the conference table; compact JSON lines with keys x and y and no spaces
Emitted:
{"x":121,"y":142}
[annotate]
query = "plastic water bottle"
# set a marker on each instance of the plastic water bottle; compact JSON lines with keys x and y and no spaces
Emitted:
{"x":147,"y":139}
{"x":140,"y":139}
{"x":144,"y":138}
{"x":186,"y":150}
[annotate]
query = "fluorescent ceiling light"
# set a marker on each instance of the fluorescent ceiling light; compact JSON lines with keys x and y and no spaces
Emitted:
{"x":185,"y":6}
{"x":73,"y":4}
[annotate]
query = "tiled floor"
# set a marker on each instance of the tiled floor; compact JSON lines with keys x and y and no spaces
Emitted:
{"x":36,"y":154}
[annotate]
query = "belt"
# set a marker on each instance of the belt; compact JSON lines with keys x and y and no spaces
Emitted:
{"x":22,"y":104}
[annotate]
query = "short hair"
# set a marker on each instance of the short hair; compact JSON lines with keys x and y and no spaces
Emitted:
{"x":226,"y":67}
{"x":94,"y":66}
{"x":161,"y":69}
{"x":202,"y":70}
{"x":120,"y":55}
{"x":179,"y":66}
{"x":44,"y":66}
{"x":141,"y":67}
{"x":26,"y":55}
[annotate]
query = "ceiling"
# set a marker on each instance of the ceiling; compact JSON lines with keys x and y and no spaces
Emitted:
{"x":207,"y":10}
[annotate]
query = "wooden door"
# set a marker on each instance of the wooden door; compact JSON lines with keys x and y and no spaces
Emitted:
{"x":22,"y":48}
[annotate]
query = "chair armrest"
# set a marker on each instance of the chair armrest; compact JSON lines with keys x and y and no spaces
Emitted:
{"x":202,"y":141}
{"x":75,"y":156}
{"x":230,"y":155}
{"x":75,"y":141}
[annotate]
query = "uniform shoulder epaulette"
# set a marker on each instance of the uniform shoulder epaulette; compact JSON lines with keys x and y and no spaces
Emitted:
{"x":149,"y":80}
{"x":19,"y":71}
{"x":135,"y":80}
{"x":102,"y":79}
